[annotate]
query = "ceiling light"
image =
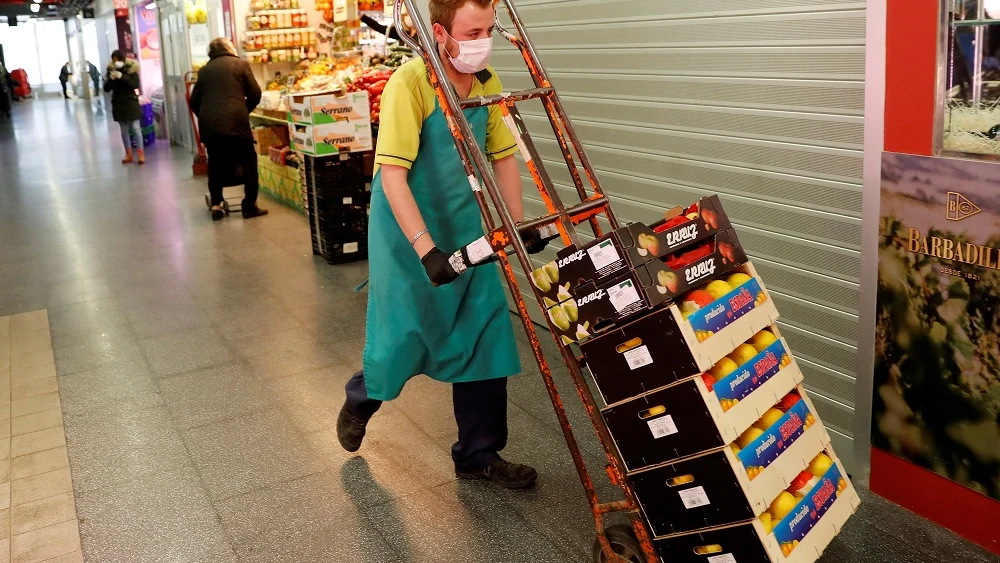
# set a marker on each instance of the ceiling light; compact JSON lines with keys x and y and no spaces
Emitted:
{"x":34,"y":8}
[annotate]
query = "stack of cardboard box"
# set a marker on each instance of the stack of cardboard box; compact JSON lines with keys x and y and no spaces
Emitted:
{"x":723,"y":448}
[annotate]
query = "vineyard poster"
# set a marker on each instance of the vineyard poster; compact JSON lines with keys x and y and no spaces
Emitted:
{"x":937,"y":359}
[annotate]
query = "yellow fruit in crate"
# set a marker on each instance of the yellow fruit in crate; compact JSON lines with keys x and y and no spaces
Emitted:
{"x":765,"y":520}
{"x":782,"y":505}
{"x":769,"y":419}
{"x":737,"y":279}
{"x":743,"y":354}
{"x":749,"y":436}
{"x":723,"y":368}
{"x":763,"y":339}
{"x":717,"y":289}
{"x":820,"y":465}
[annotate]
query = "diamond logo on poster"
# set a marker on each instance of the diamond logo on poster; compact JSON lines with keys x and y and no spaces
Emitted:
{"x":959,"y":207}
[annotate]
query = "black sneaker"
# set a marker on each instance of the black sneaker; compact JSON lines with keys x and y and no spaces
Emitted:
{"x":504,"y":473}
{"x":218,"y":213}
{"x":350,"y":430}
{"x":251,"y":212}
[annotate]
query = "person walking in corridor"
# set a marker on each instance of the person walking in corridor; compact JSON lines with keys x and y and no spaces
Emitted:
{"x":423,"y":317}
{"x":223,"y":97}
{"x":64,"y":73}
{"x":95,"y":76}
{"x":122,"y":80}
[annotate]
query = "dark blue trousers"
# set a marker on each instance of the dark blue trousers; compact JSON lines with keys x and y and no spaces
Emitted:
{"x":480,"y":411}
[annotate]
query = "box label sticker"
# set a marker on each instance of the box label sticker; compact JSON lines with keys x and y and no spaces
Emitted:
{"x":724,"y":558}
{"x":809,"y":510}
{"x":693,"y":498}
{"x":662,"y":427}
{"x":726,"y":310}
{"x":603,"y":254}
{"x":350,"y":247}
{"x":750,"y":376}
{"x":638,"y":357}
{"x":623,"y":295}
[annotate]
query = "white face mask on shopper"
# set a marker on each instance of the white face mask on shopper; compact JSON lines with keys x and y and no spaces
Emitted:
{"x":473,"y":55}
{"x":119,"y":64}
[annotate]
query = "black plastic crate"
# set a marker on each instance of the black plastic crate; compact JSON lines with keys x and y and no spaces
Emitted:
{"x":337,"y":199}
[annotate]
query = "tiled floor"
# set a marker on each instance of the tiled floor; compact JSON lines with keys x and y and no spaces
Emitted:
{"x":37,"y":507}
{"x":201,"y":367}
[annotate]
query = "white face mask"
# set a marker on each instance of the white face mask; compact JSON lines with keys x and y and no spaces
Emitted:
{"x":119,"y":64}
{"x":473,"y":56}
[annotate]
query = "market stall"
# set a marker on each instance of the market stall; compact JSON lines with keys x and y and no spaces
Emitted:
{"x":303,"y":48}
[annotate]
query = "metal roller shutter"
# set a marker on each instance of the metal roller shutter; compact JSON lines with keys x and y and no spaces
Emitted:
{"x":761,"y":102}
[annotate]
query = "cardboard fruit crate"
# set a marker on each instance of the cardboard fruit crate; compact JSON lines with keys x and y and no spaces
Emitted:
{"x":595,"y":308}
{"x":628,"y":248}
{"x":664,"y":347}
{"x":801,"y":537}
{"x":323,"y":108}
{"x":718,"y":488}
{"x":687,"y":418}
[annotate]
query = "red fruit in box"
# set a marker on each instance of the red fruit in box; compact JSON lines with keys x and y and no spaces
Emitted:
{"x":710,"y":382}
{"x":788,"y":401}
{"x":679,"y":220}
{"x":678,"y":262}
{"x":695,"y":300}
{"x":801,"y":481}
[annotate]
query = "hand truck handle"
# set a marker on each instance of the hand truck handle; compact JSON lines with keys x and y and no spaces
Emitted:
{"x":485,"y":249}
{"x":397,"y":22}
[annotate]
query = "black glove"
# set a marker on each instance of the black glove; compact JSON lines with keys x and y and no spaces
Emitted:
{"x":439,"y":269}
{"x":533,"y":241}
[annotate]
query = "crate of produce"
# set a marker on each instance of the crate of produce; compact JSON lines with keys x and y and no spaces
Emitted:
{"x":628,"y":248}
{"x":804,"y":525}
{"x":596,"y":308}
{"x":331,"y":138}
{"x":684,"y":339}
{"x":735,"y":482}
{"x":324,"y":108}
{"x":702,"y":413}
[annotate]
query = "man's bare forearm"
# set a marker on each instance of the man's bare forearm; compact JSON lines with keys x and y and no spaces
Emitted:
{"x":509,"y":180}
{"x":404,"y":207}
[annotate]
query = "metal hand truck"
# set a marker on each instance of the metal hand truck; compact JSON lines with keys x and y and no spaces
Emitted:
{"x":616,"y":543}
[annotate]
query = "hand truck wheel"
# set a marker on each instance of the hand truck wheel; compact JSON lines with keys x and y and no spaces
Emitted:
{"x":623,"y":542}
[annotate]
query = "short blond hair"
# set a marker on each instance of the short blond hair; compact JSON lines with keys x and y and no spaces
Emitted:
{"x":443,"y":11}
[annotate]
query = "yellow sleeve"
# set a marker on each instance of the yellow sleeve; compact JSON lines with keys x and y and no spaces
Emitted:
{"x":500,"y":142}
{"x":401,"y":119}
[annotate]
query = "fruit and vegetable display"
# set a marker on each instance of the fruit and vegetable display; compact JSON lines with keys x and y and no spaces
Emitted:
{"x":710,"y":351}
{"x":196,"y":12}
{"x":373,"y":81}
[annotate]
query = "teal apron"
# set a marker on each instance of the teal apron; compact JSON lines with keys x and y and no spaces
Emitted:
{"x":455,"y":333}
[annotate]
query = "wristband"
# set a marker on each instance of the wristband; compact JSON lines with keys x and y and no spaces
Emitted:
{"x":417,"y":236}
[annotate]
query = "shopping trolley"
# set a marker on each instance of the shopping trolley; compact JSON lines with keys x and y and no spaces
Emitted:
{"x":617,"y":543}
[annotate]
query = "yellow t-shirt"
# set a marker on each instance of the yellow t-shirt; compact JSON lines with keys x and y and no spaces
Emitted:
{"x":409,"y":99}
